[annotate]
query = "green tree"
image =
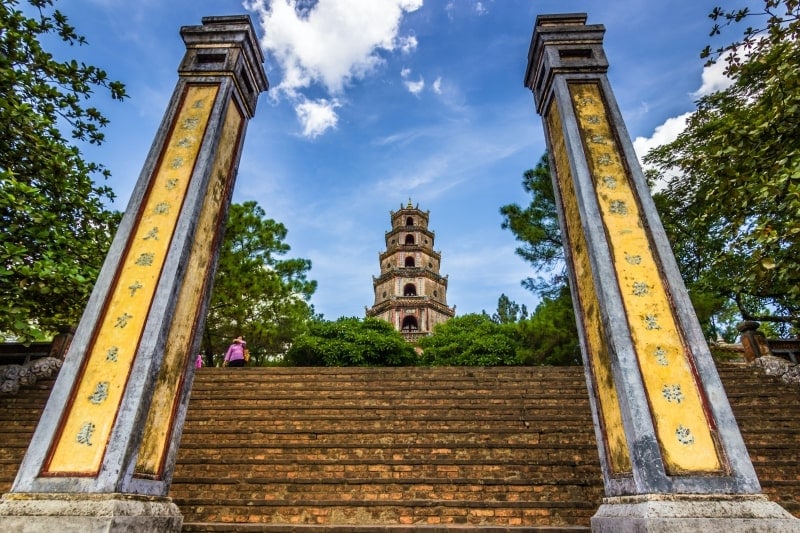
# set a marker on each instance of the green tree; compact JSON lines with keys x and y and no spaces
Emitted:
{"x":256,"y":293}
{"x":471,"y":340}
{"x":55,"y":229}
{"x":351,"y":342}
{"x":550,"y":335}
{"x":735,"y":184}
{"x":509,"y":311}
{"x":536,"y":226}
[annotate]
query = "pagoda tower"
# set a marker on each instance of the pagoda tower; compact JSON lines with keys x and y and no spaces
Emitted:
{"x":410,"y":293}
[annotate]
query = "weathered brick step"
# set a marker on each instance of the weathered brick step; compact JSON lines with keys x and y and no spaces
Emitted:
{"x":274,"y":394}
{"x":354,"y":490}
{"x":411,"y":471}
{"x":442,"y":434}
{"x":238,"y":439}
{"x":407,"y":511}
{"x":776,"y":402}
{"x":516,"y":430}
{"x":214,"y":527}
{"x":401,"y":398}
{"x":259,"y":378}
{"x":425,"y":377}
{"x":365,"y":373}
{"x":340,"y":451}
{"x":390,"y":398}
{"x":256,"y":415}
{"x":267,"y":415}
{"x":266,"y":387}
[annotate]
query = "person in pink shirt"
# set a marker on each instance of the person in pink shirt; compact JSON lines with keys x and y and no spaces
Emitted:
{"x":235,"y":354}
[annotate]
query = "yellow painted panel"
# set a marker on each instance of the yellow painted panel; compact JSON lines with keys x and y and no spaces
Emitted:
{"x":683,"y":430}
{"x":158,"y":429}
{"x":617,"y":451}
{"x":90,"y":415}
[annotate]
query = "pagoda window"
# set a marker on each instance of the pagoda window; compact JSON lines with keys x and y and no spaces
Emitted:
{"x":410,"y":262}
{"x":410,"y":290}
{"x":410,"y":324}
{"x":409,"y":221}
{"x":409,"y":239}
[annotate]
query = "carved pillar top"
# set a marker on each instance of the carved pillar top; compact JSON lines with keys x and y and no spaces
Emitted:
{"x":562,"y":44}
{"x":226,"y":46}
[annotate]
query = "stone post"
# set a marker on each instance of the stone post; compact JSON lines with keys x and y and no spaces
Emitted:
{"x":753,"y":341}
{"x":670,"y":449}
{"x":103,"y":454}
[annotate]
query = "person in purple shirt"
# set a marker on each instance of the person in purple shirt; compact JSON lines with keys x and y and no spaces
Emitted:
{"x":235,"y":354}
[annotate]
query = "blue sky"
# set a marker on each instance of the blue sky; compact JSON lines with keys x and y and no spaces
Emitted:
{"x":373,"y":102}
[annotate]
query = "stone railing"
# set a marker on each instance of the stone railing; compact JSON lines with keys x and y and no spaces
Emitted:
{"x":779,"y":367}
{"x":775,"y":357}
{"x":22,"y":365}
{"x":12,"y":377}
{"x":413,"y":336}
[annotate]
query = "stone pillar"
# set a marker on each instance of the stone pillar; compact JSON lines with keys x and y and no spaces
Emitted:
{"x":753,"y":341}
{"x":103,"y":454}
{"x":670,"y":449}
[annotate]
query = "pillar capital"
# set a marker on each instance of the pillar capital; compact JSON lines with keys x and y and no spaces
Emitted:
{"x":226,"y":46}
{"x":563,"y":44}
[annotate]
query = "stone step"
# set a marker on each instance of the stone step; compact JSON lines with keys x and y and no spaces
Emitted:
{"x":342,"y":512}
{"x":312,"y":528}
{"x":372,"y":452}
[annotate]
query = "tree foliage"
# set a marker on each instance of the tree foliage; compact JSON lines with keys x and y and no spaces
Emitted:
{"x":471,"y":340}
{"x":733,"y":204}
{"x":536,"y":226}
{"x":55,"y":229}
{"x":351,"y":342}
{"x":550,"y":335}
{"x":256,"y":293}
{"x":509,"y":311}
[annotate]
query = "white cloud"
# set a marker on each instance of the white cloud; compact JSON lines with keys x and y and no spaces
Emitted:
{"x":663,"y":134}
{"x":317,"y":116}
{"x":414,"y":87}
{"x":480,"y":9}
{"x":714,"y":79}
{"x":329,"y":45}
{"x":407,"y":44}
{"x":437,"y":85}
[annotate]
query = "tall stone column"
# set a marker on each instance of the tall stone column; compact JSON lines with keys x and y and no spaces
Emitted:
{"x":670,"y":449}
{"x":103,"y":454}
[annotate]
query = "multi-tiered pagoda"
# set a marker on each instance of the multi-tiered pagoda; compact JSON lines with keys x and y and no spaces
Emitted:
{"x":410,"y":293}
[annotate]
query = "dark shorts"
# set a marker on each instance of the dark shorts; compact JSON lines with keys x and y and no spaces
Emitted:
{"x":237,"y":362}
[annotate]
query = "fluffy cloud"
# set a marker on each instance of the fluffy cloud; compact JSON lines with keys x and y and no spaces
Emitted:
{"x":414,"y":87}
{"x":663,"y":134}
{"x":713,"y":79}
{"x":327,"y":45}
{"x":317,"y":116}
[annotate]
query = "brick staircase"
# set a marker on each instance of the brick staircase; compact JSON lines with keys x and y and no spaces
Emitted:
{"x":381,"y":449}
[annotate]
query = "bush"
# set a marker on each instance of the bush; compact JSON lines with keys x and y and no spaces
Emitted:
{"x":471,"y":340}
{"x":351,"y":342}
